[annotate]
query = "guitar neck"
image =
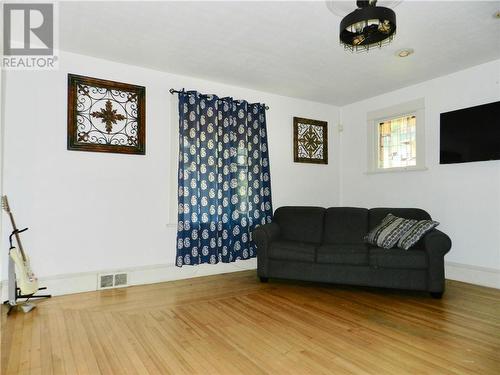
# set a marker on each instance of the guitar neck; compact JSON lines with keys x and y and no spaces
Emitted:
{"x":16,"y":235}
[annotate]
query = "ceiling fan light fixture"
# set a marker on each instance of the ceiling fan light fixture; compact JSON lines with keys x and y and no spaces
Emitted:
{"x":367,"y":27}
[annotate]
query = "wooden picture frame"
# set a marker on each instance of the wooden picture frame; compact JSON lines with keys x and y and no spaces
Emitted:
{"x":310,"y":141}
{"x":106,"y":116}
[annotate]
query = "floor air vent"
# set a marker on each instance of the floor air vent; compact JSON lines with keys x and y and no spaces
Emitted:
{"x":112,"y":280}
{"x":120,"y":279}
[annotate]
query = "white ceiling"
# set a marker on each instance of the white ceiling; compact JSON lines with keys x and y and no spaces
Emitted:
{"x":288,"y":48}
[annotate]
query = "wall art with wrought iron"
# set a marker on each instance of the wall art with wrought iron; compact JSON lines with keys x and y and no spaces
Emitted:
{"x":310,"y":141}
{"x":106,"y":116}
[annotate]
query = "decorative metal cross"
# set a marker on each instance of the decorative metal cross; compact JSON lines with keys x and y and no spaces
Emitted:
{"x":109,"y":116}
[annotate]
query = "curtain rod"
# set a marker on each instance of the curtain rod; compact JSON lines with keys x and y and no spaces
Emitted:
{"x":174,"y":91}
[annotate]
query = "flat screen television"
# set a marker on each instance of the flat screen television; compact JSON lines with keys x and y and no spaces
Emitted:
{"x":470,"y":134}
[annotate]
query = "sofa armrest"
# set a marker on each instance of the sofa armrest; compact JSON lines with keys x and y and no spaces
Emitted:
{"x":436,"y":245}
{"x":263,"y":236}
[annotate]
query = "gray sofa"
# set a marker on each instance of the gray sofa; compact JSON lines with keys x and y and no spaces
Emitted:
{"x":326,"y":245}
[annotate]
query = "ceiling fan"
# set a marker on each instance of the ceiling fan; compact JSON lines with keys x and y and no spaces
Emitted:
{"x":366,"y":27}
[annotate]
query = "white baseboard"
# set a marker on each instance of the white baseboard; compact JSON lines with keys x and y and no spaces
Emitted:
{"x":473,"y":274}
{"x":87,"y":281}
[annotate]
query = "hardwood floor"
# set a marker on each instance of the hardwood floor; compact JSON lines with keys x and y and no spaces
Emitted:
{"x":231,"y":324}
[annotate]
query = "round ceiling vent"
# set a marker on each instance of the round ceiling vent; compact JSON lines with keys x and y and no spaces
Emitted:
{"x":405,"y":52}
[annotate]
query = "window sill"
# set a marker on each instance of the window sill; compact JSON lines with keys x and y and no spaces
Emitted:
{"x":395,"y":170}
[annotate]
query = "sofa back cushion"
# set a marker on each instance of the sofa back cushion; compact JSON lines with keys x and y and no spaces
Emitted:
{"x":345,"y":225}
{"x":377,"y":214}
{"x":304,"y":224}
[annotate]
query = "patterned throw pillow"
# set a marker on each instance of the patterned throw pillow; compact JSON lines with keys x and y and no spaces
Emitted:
{"x":389,"y":231}
{"x":415,"y":233}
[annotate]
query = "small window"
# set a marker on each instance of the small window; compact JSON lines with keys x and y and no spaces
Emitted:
{"x":397,"y":142}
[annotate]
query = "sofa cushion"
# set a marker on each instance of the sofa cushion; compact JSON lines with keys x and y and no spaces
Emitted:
{"x":376,"y":215}
{"x":292,"y":250}
{"x":345,"y":225}
{"x":397,"y":258}
{"x":353,"y":254}
{"x":303,"y":224}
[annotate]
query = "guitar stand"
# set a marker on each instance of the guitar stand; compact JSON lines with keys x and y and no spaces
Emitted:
{"x":14,"y":291}
{"x":27,"y":297}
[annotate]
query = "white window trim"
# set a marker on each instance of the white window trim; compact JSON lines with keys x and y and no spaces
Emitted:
{"x":413,"y":108}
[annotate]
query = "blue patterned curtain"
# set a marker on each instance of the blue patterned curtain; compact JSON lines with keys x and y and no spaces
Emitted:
{"x":224,"y":180}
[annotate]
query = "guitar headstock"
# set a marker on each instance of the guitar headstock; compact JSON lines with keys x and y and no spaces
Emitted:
{"x":5,"y":204}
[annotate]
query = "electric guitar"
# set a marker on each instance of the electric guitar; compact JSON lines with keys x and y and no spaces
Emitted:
{"x":26,"y":280}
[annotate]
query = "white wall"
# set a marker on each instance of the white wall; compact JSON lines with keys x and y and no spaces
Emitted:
{"x":2,"y":96}
{"x":92,"y":211}
{"x":465,"y":198}
{"x":2,"y":221}
{"x":89,"y":212}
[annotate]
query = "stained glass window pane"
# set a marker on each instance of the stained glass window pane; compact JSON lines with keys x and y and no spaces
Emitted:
{"x":397,"y":143}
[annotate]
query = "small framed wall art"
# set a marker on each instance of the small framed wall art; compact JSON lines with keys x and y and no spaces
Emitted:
{"x":310,"y":141}
{"x":106,"y":116}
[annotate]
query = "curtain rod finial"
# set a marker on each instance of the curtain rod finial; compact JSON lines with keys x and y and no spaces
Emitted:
{"x":171,"y":91}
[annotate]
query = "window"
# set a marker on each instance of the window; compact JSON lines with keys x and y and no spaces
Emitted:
{"x":396,"y":138}
{"x":397,"y":142}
